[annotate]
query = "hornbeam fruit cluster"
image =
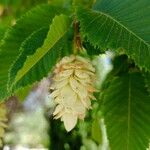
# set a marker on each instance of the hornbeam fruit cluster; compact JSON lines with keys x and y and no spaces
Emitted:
{"x":3,"y":119}
{"x":72,"y":89}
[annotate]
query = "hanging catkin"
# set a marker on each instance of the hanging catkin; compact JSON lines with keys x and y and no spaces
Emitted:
{"x":72,"y":89}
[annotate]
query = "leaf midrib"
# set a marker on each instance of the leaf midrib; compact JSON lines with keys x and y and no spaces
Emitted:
{"x":131,"y":32}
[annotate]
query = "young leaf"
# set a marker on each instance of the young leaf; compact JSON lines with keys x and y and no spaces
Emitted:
{"x":28,"y":48}
{"x":119,"y":25}
{"x":38,"y":17}
{"x":126,"y":108}
{"x":43,"y":60}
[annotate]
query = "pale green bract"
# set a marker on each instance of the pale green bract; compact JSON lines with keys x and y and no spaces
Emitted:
{"x":72,"y":89}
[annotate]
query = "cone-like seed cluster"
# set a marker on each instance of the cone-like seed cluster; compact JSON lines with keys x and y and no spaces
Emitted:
{"x":3,"y":120}
{"x":72,"y":89}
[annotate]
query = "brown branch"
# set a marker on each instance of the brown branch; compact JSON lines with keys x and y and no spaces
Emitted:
{"x":77,"y":38}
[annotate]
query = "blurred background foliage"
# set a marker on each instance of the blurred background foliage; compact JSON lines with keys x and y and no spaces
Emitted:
{"x":30,"y":112}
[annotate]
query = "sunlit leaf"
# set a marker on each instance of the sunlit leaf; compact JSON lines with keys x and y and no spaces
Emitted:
{"x":35,"y":19}
{"x":40,"y":62}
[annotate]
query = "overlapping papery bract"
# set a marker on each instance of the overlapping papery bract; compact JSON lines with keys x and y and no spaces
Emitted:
{"x":72,"y":89}
{"x":3,"y":119}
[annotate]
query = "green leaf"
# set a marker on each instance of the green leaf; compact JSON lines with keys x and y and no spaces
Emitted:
{"x":91,"y":50}
{"x":2,"y":31}
{"x":29,"y":47}
{"x":23,"y":92}
{"x":120,"y":65}
{"x":123,"y":26}
{"x":85,"y":3}
{"x":62,"y":3}
{"x":32,"y":21}
{"x":126,"y":109}
{"x":43,"y":60}
{"x":147,"y":80}
{"x":96,"y":131}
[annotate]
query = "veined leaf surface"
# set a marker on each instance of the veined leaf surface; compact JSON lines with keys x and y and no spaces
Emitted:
{"x":43,"y":60}
{"x":126,"y":108}
{"x":33,"y":20}
{"x":123,"y":26}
